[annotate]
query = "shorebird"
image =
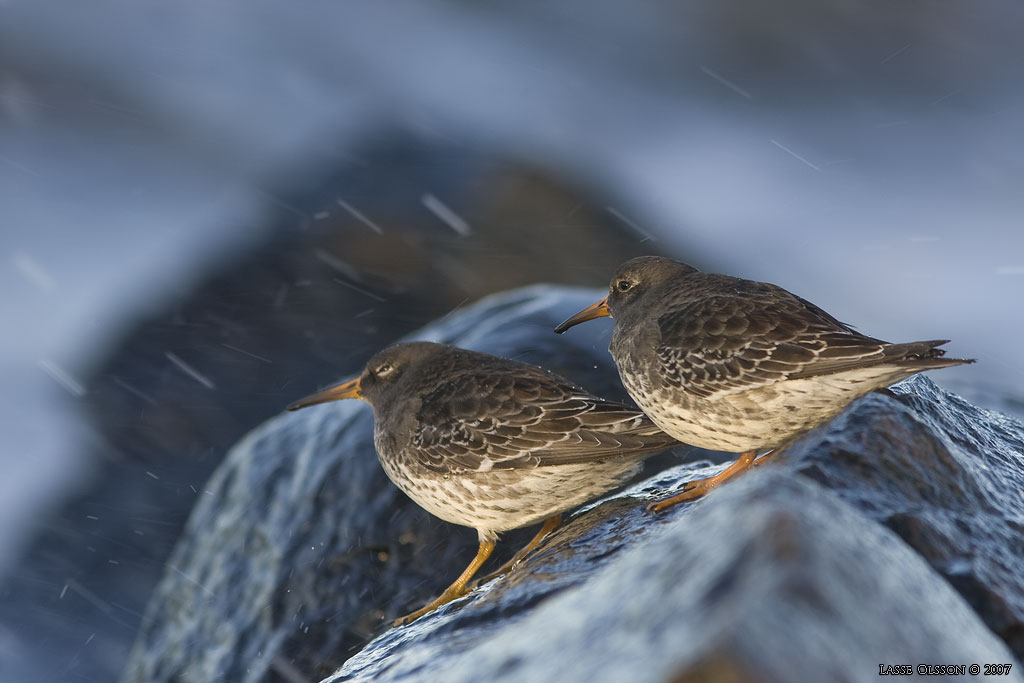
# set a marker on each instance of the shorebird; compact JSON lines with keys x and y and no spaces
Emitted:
{"x":737,"y":365}
{"x":490,"y":443}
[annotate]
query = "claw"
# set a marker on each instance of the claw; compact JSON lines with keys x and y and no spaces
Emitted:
{"x":454,"y":591}
{"x":446,"y":597}
{"x":701,"y":487}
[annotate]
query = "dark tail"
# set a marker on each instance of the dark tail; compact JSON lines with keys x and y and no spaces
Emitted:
{"x":922,"y":355}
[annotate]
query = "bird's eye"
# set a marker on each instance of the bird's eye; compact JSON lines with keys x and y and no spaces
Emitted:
{"x":623,"y":285}
{"x":383,"y":369}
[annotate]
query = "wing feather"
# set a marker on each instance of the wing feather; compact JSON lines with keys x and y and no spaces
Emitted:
{"x":476,"y":422}
{"x":728,"y":344}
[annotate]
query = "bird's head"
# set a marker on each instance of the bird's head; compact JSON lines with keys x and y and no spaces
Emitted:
{"x":632,"y":281}
{"x":380,"y":377}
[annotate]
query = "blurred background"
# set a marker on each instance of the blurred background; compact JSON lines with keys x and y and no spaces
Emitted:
{"x":208,"y":209}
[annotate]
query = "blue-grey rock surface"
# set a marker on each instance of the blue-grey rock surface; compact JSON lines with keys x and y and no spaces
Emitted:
{"x":945,"y":476}
{"x":772,"y":579}
{"x":890,"y":535}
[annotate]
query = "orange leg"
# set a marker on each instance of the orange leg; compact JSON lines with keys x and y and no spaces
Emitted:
{"x":701,"y":487}
{"x":454,"y":591}
{"x":550,"y":524}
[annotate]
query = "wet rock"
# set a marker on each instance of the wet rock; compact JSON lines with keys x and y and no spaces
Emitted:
{"x":947,"y":477}
{"x":890,"y":535}
{"x":302,"y":547}
{"x":771,"y":579}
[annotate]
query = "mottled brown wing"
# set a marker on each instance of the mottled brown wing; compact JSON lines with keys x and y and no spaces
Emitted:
{"x":727,"y":344}
{"x":507,"y":421}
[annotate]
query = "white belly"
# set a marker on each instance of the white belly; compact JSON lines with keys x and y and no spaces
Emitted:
{"x":500,"y":500}
{"x":761,"y":418}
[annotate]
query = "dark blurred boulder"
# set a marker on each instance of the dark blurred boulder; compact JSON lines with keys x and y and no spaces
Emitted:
{"x":408,"y":230}
{"x":304,"y":548}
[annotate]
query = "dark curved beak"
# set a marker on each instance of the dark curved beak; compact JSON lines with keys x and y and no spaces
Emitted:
{"x":349,"y":389}
{"x":598,"y":310}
